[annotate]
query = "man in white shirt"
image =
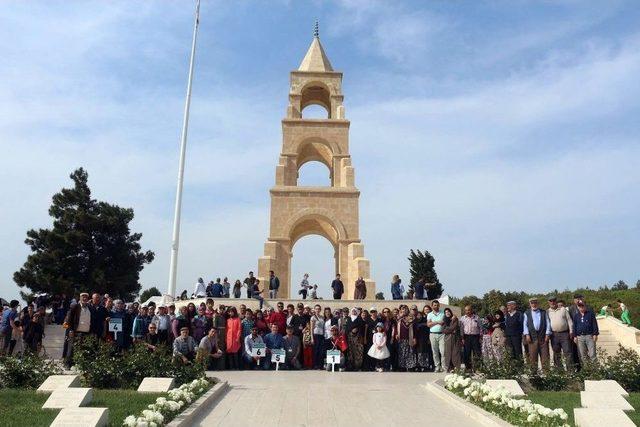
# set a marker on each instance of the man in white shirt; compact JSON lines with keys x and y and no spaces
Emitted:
{"x":201,"y":289}
{"x":561,"y":334}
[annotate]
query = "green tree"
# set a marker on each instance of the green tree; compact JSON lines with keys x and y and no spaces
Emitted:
{"x":620,"y":286}
{"x":89,"y":248}
{"x":422,"y":264}
{"x":148,"y":293}
{"x":638,"y":284}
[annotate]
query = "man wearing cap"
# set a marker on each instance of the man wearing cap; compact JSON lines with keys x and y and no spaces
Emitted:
{"x":513,"y":327}
{"x":184,"y":347}
{"x":78,"y":321}
{"x":586,"y":332}
{"x":573,"y":310}
{"x":561,"y":334}
{"x":537,"y":330}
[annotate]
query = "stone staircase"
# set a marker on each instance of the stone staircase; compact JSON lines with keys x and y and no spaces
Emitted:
{"x":614,"y":332}
{"x":607,"y":342}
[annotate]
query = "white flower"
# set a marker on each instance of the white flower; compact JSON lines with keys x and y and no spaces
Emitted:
{"x":130,"y":421}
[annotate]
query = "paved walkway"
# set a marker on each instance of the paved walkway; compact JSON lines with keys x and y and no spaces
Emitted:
{"x":316,"y":398}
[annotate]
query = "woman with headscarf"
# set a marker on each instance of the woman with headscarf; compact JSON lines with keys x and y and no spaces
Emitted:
{"x":405,"y":335}
{"x":361,"y":289}
{"x":498,"y":338}
{"x":486,"y":324}
{"x":423,"y":345}
{"x":199,"y":324}
{"x":451,"y":331}
{"x":355,"y":349}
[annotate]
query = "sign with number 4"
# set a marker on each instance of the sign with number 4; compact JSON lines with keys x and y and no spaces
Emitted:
{"x":115,"y":325}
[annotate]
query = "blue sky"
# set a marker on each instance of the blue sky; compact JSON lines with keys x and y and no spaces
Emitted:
{"x":502,"y":136}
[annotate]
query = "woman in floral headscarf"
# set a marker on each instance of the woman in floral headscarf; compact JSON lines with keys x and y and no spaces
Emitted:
{"x":405,"y":336}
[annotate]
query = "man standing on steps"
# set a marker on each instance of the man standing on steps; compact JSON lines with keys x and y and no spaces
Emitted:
{"x":537,"y":331}
{"x":513,"y":328}
{"x":200,"y":290}
{"x":337,"y":287}
{"x":274,"y":285}
{"x":561,"y":334}
{"x":248,"y":283}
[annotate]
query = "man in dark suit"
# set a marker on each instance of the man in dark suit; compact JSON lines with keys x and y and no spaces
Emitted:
{"x":337,"y":287}
{"x":513,"y":328}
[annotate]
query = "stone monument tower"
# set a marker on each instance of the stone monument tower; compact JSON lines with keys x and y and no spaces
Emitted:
{"x":331,"y":212}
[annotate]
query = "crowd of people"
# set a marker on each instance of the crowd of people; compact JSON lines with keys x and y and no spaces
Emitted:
{"x":225,"y":336}
{"x":251,"y":285}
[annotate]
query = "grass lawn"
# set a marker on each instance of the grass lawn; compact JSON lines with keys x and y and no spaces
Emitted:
{"x":24,"y":407}
{"x":568,"y":400}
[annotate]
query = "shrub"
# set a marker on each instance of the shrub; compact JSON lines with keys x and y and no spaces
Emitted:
{"x":103,"y":366}
{"x":29,"y":371}
{"x":505,"y":368}
{"x":623,"y":367}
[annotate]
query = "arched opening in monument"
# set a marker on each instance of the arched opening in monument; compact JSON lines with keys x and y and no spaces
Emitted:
{"x":316,"y":93}
{"x":314,"y":174}
{"x":315,"y":111}
{"x":316,"y":256}
{"x":314,"y":152}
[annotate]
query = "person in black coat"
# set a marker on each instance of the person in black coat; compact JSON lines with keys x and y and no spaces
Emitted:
{"x":513,"y":329}
{"x":338,"y":287}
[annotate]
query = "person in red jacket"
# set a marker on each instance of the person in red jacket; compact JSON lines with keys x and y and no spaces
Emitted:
{"x":278,"y":317}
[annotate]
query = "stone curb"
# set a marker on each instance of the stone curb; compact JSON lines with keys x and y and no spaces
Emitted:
{"x":186,"y":417}
{"x":468,"y":409}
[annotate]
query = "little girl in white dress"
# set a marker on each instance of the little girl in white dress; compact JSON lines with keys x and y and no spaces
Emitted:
{"x":379,"y":350}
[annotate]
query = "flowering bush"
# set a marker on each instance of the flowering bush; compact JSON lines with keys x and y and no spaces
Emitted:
{"x":28,"y":371}
{"x":166,"y":408}
{"x":500,"y":402}
{"x":103,"y":366}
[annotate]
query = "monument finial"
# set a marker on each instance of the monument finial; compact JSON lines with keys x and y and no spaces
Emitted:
{"x":316,"y":30}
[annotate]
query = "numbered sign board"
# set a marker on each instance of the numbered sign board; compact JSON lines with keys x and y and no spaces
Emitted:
{"x":277,"y":355}
{"x":258,"y":350}
{"x":115,"y":325}
{"x":333,"y":357}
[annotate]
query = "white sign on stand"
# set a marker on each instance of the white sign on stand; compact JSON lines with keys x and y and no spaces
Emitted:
{"x":333,"y":358}
{"x":258,"y":350}
{"x":278,"y":356}
{"x":115,"y":325}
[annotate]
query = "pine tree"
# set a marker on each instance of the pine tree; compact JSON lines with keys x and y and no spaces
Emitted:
{"x":148,"y":293}
{"x":89,"y":248}
{"x":422,"y":264}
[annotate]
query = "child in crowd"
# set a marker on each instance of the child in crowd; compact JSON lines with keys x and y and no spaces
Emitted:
{"x":379,"y":350}
{"x":16,"y":346}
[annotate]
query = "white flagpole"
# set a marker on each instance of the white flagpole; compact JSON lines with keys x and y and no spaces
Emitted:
{"x":173,"y":266}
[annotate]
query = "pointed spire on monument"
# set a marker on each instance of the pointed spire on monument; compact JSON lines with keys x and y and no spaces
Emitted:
{"x":315,"y":59}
